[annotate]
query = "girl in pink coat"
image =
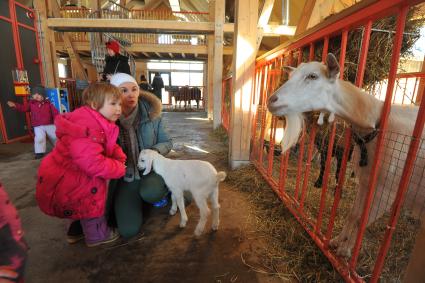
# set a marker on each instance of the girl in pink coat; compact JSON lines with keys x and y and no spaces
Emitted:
{"x":42,"y":116}
{"x":13,"y":249}
{"x":72,"y":179}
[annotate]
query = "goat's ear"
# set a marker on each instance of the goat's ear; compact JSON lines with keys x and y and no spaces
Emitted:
{"x":288,"y":69}
{"x":333,"y":67}
{"x":148,"y":162}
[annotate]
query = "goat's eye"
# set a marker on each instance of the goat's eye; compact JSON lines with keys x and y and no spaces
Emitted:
{"x":312,"y":76}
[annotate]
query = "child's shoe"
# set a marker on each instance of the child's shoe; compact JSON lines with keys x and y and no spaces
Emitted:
{"x":113,"y":236}
{"x":39,"y":155}
{"x":75,"y":232}
{"x":161,"y":203}
{"x":97,"y":232}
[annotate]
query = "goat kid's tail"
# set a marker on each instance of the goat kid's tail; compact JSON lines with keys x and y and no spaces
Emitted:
{"x":221,"y":176}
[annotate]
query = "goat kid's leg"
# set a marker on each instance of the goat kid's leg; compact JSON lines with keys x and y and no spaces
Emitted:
{"x":173,"y":208}
{"x":180,"y":204}
{"x":204,"y":211}
{"x":215,"y":209}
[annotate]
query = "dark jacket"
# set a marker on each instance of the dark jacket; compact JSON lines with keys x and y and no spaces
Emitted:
{"x":116,"y":64}
{"x":157,"y":84}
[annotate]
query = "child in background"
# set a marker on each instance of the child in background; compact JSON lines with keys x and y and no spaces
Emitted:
{"x":42,"y":116}
{"x":13,"y":249}
{"x":73,"y":178}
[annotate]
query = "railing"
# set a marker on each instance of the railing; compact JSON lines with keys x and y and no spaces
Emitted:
{"x":157,"y":14}
{"x":322,"y":212}
{"x":407,"y":89}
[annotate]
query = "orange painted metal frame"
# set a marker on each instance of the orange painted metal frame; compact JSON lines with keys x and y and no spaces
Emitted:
{"x":295,"y":203}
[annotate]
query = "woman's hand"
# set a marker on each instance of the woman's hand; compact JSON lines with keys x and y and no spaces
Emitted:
{"x":11,"y":104}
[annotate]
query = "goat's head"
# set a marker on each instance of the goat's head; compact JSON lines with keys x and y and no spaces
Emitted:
{"x":145,"y":161}
{"x":308,"y":88}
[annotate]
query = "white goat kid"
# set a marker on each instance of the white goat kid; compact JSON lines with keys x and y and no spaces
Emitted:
{"x":196,"y":176}
{"x":316,"y":87}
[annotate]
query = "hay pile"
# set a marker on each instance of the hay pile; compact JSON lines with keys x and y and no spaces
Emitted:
{"x":289,"y":254}
{"x":380,"y":47}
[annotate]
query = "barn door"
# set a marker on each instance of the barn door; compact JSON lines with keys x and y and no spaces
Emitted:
{"x":19,"y":50}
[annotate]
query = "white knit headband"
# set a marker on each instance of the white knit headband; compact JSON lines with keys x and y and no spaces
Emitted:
{"x":120,"y":78}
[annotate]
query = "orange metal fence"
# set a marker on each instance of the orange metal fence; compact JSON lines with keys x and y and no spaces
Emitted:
{"x":323,"y":211}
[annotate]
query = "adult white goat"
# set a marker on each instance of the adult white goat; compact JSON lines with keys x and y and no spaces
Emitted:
{"x":316,"y":87}
{"x":196,"y":176}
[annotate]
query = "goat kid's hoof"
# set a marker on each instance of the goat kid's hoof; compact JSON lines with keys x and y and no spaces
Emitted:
{"x":173,"y":211}
{"x":214,"y":227}
{"x":198,"y":232}
{"x":341,"y":248}
{"x":182,"y":224}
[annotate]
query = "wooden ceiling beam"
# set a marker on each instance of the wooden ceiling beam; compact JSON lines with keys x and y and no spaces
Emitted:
{"x":305,"y":16}
{"x":130,"y":25}
{"x":144,"y":48}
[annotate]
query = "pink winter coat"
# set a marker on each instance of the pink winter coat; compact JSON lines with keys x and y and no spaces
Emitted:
{"x":13,"y":249}
{"x":42,"y":112}
{"x":72,"y":179}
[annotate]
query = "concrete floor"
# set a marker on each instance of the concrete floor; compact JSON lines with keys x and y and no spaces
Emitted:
{"x":165,"y":254}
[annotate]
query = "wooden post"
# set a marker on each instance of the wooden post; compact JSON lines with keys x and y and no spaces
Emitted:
{"x":415,"y":269}
{"x":48,"y":46}
{"x":244,"y":53}
{"x":210,"y":64}
{"x":264,"y":20}
{"x":218,"y":62}
{"x":421,"y":86}
{"x":77,"y":65}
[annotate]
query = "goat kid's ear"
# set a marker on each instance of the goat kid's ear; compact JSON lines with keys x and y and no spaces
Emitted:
{"x":288,"y":69}
{"x":148,"y":162}
{"x":333,"y":67}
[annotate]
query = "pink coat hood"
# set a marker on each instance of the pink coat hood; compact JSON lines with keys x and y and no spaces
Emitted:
{"x":72,"y":179}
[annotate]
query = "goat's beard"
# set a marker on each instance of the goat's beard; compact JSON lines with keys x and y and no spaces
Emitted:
{"x":294,"y":126}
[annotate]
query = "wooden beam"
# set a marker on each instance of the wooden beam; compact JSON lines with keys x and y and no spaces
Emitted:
{"x":228,"y":27}
{"x":264,"y":20}
{"x":159,"y":55}
{"x":144,"y":48}
{"x":218,"y":61}
{"x":210,"y":65}
{"x":171,"y":54}
{"x":130,"y":25}
{"x":278,"y":30}
{"x":305,"y":16}
{"x":47,"y":46}
{"x":76,"y":63}
{"x":184,"y":55}
{"x":243,"y":81}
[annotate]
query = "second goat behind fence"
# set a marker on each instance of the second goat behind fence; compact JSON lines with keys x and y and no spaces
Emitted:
{"x":196,"y":176}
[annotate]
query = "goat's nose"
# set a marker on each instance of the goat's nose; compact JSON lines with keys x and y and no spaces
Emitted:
{"x":272,"y":99}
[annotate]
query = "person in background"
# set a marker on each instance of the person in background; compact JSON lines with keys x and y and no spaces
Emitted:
{"x":114,"y":61}
{"x":73,"y":179}
{"x":43,"y":113}
{"x":13,"y":248}
{"x":144,"y":85}
{"x":141,"y":127}
{"x":157,"y":85}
